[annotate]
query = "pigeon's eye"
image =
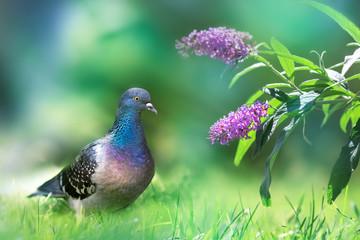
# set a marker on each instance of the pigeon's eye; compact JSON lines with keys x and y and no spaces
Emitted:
{"x":137,"y":99}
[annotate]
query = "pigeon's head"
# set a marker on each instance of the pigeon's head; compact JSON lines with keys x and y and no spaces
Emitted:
{"x":137,"y":99}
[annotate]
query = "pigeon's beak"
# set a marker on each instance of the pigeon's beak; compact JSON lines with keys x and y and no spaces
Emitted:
{"x":150,"y":107}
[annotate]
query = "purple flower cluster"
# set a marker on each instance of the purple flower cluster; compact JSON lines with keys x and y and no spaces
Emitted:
{"x":238,"y":124}
{"x":221,"y":43}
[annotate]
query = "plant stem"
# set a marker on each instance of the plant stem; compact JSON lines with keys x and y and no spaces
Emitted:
{"x":268,"y":64}
{"x":284,"y":78}
{"x":341,"y":64}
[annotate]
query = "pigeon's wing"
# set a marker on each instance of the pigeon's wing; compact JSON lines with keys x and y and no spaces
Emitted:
{"x":75,"y":180}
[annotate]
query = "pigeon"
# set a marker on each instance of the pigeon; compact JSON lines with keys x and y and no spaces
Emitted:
{"x":112,"y":171}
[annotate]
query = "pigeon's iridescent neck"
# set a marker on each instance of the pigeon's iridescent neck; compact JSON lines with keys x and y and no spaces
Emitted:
{"x":127,"y":133}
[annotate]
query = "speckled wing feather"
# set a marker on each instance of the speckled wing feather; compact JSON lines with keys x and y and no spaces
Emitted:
{"x":75,"y":180}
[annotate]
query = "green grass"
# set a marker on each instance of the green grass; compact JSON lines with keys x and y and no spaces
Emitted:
{"x":186,"y":209}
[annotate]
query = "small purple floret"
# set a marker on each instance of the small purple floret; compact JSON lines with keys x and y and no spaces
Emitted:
{"x":238,"y":124}
{"x":227,"y":45}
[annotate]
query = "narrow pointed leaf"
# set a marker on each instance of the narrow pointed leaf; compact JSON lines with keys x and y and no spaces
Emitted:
{"x":344,"y":120}
{"x":263,"y":44}
{"x":265,"y":185}
{"x":336,"y":78}
{"x":314,"y":84}
{"x":276,"y":93}
{"x":296,"y":69}
{"x":255,"y":96}
{"x":303,"y":102}
{"x":300,"y":103}
{"x":345,"y":165}
{"x":297,"y":59}
{"x":351,"y":113}
{"x":243,"y":147}
{"x":330,"y":111}
{"x":353,"y":44}
{"x":246,"y":70}
{"x":286,"y":63}
{"x":264,"y":134}
{"x":341,"y":64}
{"x":268,"y":127}
{"x":356,"y":76}
{"x":344,"y":22}
{"x":277,"y":85}
{"x":341,"y":93}
{"x":326,"y":107}
{"x":350,"y":60}
{"x":261,"y":59}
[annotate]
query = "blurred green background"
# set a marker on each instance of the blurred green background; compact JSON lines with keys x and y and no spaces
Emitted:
{"x":64,"y":65}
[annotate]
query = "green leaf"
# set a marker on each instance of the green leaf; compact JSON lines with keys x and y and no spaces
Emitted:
{"x":345,"y":164}
{"x":302,"y":103}
{"x":336,"y":85}
{"x":330,"y":111}
{"x":338,"y":92}
{"x":351,"y":113}
{"x":297,"y":59}
{"x":264,"y":134}
{"x":301,"y":68}
{"x":336,"y":78}
{"x":334,"y":75}
{"x":274,"y":103}
{"x":344,"y":22}
{"x":276,"y":93}
{"x":350,"y":60}
{"x":355,"y":115}
{"x":277,"y":85}
{"x":268,"y":127}
{"x":299,"y":104}
{"x":255,"y":96}
{"x":315,"y":84}
{"x":265,"y":185}
{"x":261,"y":59}
{"x":246,"y":70}
{"x":356,"y":76}
{"x":286,"y":63}
{"x":320,"y":85}
{"x":243,"y":147}
{"x":264,"y":44}
{"x":345,"y":118}
{"x":353,"y":44}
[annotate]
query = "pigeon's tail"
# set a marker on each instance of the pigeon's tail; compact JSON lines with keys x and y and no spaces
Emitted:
{"x":50,"y":188}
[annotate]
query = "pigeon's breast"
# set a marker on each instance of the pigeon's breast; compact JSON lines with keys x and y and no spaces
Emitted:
{"x":121,"y":177}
